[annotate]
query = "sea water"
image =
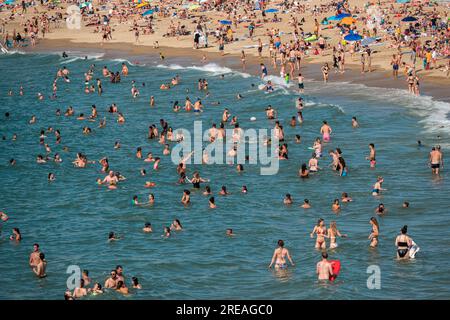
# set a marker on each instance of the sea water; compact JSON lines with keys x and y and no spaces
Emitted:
{"x":71,"y":217}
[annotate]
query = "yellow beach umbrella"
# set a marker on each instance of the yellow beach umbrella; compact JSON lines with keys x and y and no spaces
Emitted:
{"x":142,"y":5}
{"x":348,"y":20}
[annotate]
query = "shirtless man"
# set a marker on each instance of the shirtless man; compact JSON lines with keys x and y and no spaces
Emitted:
{"x":34,"y":256}
{"x":80,"y":291}
{"x":325,"y":130}
{"x":279,"y":257}
{"x":435,"y":160}
{"x":111,"y":282}
{"x":371,"y":156}
{"x":323,"y":268}
{"x":111,"y":178}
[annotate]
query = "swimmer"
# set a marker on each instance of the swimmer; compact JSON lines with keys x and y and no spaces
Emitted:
{"x":346,"y":198}
{"x":212,"y":204}
{"x":121,"y":287}
{"x":333,"y":233}
{"x":279,"y":257}
{"x":97,"y":289}
{"x":380,"y":209}
{"x":405,"y":204}
{"x":135,"y":283}
{"x":336,"y":207}
{"x":303,"y":172}
{"x":355,"y":123}
{"x":288,"y":199}
{"x":113,"y":237}
{"x":229,"y":232}
{"x":244,"y":189}
{"x":186,"y":199}
{"x":306,"y":204}
{"x":223,"y":191}
{"x":80,"y":291}
{"x":435,"y":160}
{"x":166,"y":232}
{"x":176,"y":225}
{"x":147,"y":227}
{"x":16,"y":235}
{"x":323,"y":268}
{"x":39,"y":268}
{"x":403,"y":243}
{"x":111,"y":282}
{"x":377,"y":187}
{"x":371,"y":156}
{"x":326,"y":131}
{"x":51,"y":177}
{"x":373,"y":237}
{"x":321,"y":231}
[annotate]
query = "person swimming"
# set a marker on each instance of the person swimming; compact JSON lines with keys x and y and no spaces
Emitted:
{"x":279,"y":257}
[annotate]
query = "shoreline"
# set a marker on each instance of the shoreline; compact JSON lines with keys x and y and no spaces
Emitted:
{"x":436,"y":88}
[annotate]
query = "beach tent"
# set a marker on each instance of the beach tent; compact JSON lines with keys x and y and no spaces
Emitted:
{"x":348,"y":20}
{"x":225,"y":22}
{"x":146,"y":13}
{"x":352,"y":37}
{"x":409,"y":19}
{"x":271,"y":10}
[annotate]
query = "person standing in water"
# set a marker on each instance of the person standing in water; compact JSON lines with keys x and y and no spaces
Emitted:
{"x":279,"y":257}
{"x":373,"y":237}
{"x":403,"y":242}
{"x":325,"y":130}
{"x":435,"y":160}
{"x":320,"y":230}
{"x":333,"y":233}
{"x":371,"y":156}
{"x":323,"y":268}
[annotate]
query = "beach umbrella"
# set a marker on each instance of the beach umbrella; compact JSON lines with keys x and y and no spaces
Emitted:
{"x":348,"y":20}
{"x":403,"y":1}
{"x":409,"y":19}
{"x":342,"y":16}
{"x":271,"y":10}
{"x":333,"y":18}
{"x":352,"y":37}
{"x":367,"y":41}
{"x":311,"y":38}
{"x":146,"y":13}
{"x":142,"y":5}
{"x":225,"y":22}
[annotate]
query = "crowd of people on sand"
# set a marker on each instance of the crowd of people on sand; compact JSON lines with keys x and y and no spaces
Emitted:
{"x":286,"y":56}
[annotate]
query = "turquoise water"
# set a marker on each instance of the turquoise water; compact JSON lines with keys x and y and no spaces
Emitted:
{"x":71,"y":217}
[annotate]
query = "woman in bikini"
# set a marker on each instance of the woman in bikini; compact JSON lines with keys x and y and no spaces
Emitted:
{"x":373,"y":237}
{"x":333,"y":233}
{"x":321,"y":231}
{"x":403,"y":242}
{"x":279,"y":257}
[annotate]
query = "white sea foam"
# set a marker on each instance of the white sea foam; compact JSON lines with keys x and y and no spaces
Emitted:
{"x":76,"y":55}
{"x":213,"y":68}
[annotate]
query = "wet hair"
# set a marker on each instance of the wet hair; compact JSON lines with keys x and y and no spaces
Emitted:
{"x":147,"y":224}
{"x":208,"y":189}
{"x":324,"y":255}
{"x":288,"y":195}
{"x":81,"y":283}
{"x":211,"y":200}
{"x":187,"y":191}
{"x":119,"y":284}
{"x":281,"y":243}
{"x":111,"y":235}
{"x":36,"y":245}
{"x":404,"y":230}
{"x":179,"y":223}
{"x":406,"y":204}
{"x":372,"y":145}
{"x":135,"y":281}
{"x":42,"y":256}
{"x":306,"y":201}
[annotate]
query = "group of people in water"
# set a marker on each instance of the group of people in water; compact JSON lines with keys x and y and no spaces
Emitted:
{"x":326,"y":237}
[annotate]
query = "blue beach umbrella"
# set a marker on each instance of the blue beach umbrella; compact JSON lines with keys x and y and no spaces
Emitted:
{"x":225,"y":22}
{"x":342,"y":16}
{"x":146,"y":13}
{"x":409,"y":19}
{"x":333,"y":18}
{"x":352,"y":37}
{"x":271,"y":10}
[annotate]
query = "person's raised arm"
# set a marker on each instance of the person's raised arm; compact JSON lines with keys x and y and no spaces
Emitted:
{"x":273,"y":259}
